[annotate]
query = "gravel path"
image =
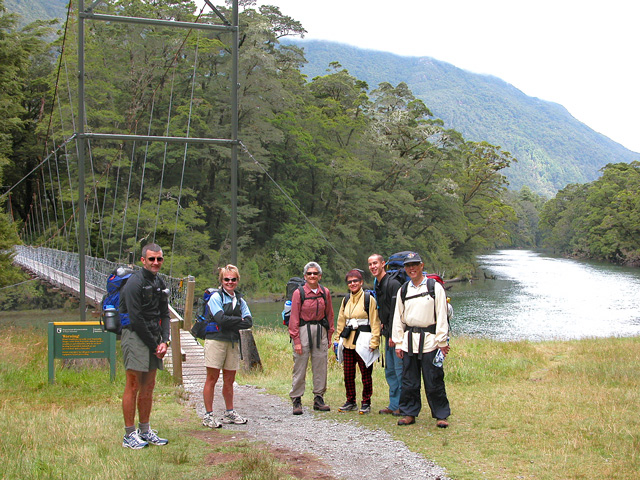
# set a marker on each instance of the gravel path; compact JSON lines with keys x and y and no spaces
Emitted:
{"x":271,"y":421}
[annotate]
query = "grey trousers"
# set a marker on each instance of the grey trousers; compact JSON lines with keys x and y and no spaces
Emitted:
{"x":318,"y":363}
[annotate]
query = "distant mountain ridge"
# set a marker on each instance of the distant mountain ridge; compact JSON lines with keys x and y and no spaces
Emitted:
{"x":32,"y":10}
{"x":552,"y":147}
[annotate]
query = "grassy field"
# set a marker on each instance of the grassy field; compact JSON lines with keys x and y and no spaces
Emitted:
{"x":549,"y":410}
{"x":73,"y":429}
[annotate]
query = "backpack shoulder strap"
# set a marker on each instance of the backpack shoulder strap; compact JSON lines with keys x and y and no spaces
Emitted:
{"x":301,"y":290}
{"x":403,"y":291}
{"x":367,"y":300}
{"x":346,"y":299}
{"x":431,"y":287}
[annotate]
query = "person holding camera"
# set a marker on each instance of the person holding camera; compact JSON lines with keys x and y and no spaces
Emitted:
{"x":358,"y":331}
{"x":229,"y":314}
{"x":144,"y":342}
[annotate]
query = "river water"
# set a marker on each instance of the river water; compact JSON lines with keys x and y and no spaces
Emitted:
{"x":533,"y":297}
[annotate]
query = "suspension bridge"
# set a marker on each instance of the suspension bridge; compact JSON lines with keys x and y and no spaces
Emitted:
{"x":75,"y":240}
{"x":102,"y":188}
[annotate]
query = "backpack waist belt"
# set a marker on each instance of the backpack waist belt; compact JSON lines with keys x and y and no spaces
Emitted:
{"x":421,"y":330}
{"x":324,"y":323}
{"x":361,"y":328}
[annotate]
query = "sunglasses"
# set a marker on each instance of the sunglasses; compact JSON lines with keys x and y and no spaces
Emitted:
{"x":349,"y":282}
{"x":312,"y":273}
{"x":234,"y":279}
{"x":153,"y":259}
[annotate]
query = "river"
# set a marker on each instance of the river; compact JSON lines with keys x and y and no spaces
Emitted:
{"x":533,"y":297}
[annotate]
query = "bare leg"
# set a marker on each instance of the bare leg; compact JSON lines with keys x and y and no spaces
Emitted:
{"x":130,"y":397}
{"x":145,"y":396}
{"x":228,"y":377}
{"x":209,"y":385}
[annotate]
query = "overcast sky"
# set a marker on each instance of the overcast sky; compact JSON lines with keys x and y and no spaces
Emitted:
{"x":582,"y":54}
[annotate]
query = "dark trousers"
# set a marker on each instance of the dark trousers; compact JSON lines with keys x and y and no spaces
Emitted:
{"x":410,"y":400}
{"x":350,"y":359}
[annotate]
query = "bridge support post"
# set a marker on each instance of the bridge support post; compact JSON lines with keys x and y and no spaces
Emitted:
{"x":250,"y":356}
{"x":176,"y":351}
{"x":188,"y":303}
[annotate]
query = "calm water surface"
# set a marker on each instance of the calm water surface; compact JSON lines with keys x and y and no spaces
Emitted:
{"x":534,"y":297}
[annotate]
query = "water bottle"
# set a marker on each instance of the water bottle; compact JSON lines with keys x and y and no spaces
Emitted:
{"x":286,"y":312}
{"x":111,"y":318}
{"x":438,"y":360}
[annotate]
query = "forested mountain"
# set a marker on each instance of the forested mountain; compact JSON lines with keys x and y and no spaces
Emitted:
{"x":32,"y":10}
{"x":552,"y":148}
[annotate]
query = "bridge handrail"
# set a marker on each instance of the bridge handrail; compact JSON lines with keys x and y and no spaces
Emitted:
{"x":97,"y":270}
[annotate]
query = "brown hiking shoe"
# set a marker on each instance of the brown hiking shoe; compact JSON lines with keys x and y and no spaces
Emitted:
{"x":297,"y":406}
{"x":318,"y":404}
{"x":407,"y":420}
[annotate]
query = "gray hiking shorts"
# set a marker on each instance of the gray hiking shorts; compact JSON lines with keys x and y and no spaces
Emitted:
{"x":136,"y":354}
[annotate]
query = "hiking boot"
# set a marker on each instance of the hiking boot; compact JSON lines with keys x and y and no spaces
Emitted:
{"x":442,"y":423}
{"x":231,"y":416}
{"x":365,"y":408}
{"x":385,"y":411}
{"x":348,"y":407}
{"x":210,"y":421}
{"x":133,"y":441}
{"x":407,"y":420}
{"x":318,"y":404}
{"x":151,"y":436}
{"x":297,"y":406}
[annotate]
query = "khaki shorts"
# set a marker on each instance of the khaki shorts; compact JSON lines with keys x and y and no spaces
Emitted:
{"x":221,"y":355}
{"x":136,"y":354}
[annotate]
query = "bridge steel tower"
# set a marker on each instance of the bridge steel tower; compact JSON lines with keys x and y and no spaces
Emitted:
{"x":82,"y":136}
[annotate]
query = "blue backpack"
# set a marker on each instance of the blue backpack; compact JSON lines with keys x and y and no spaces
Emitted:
{"x":111,"y":319}
{"x":203,"y":322}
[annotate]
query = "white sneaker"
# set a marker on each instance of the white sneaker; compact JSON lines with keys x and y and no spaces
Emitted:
{"x":152,"y":437}
{"x":233,"y":417}
{"x":133,"y":441}
{"x":210,"y":421}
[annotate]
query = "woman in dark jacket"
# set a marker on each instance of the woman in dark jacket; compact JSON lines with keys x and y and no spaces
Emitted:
{"x":229,"y":314}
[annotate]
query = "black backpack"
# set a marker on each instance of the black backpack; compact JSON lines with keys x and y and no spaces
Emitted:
{"x":367,"y":300}
{"x":296,"y":283}
{"x":395,"y":266}
{"x":111,"y":319}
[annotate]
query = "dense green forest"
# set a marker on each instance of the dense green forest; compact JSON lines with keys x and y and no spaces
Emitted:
{"x":598,"y":220}
{"x":332,"y":169}
{"x":552,"y":147}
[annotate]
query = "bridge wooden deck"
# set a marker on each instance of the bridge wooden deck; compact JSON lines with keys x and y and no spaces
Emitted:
{"x":64,"y":281}
{"x":194,"y":372}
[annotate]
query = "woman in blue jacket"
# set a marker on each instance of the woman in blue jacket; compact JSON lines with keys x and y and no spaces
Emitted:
{"x":229,"y":314}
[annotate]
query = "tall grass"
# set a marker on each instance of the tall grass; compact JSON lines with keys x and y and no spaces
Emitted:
{"x":73,"y":429}
{"x":548,"y":410}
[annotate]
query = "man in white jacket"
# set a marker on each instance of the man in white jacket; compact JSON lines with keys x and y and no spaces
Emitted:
{"x":420,"y":329}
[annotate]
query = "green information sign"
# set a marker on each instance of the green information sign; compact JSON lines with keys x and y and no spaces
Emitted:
{"x":80,"y":340}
